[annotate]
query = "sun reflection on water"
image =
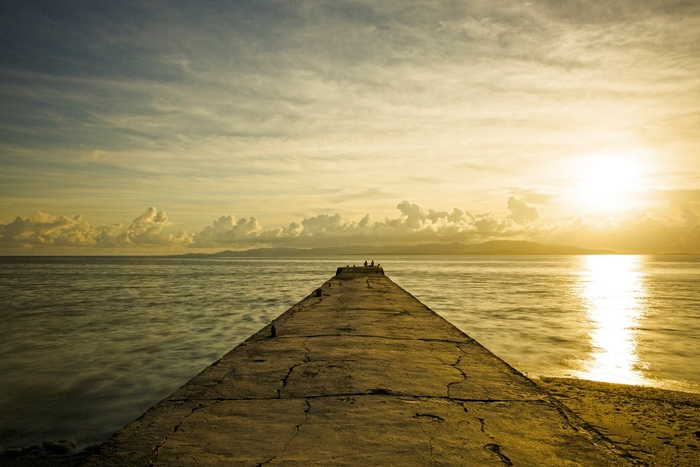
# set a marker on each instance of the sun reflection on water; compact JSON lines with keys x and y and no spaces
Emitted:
{"x":614,"y":294}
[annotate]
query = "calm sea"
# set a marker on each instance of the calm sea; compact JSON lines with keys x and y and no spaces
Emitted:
{"x":88,"y":344}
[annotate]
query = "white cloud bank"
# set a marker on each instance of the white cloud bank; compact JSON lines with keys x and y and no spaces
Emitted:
{"x":48,"y":230}
{"x":648,"y":233}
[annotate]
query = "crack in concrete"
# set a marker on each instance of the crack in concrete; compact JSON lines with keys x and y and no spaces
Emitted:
{"x":296,"y":433}
{"x":493,"y":447}
{"x":285,"y":380}
{"x":454,"y":365}
{"x":563,"y":413}
{"x":496,"y":449}
{"x":392,"y":315}
{"x":429,"y":416}
{"x":430,"y":445}
{"x":371,"y":392}
{"x":483,"y":388}
{"x":467,"y":340}
{"x":433,"y":461}
{"x":191,"y":386}
{"x":200,"y":406}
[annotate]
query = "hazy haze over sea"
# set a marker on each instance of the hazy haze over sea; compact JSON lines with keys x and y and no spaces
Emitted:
{"x":88,"y":344}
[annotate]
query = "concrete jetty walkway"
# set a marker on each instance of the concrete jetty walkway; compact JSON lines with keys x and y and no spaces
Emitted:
{"x":359,"y":373}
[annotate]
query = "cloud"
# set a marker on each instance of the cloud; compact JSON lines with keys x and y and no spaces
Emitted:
{"x":49,"y":230}
{"x":534,"y":196}
{"x":226,"y":230}
{"x":348,"y":195}
{"x":146,"y":230}
{"x":646,"y":233}
{"x":412,"y":212}
{"x":284,"y":98}
{"x":413,"y":224}
{"x":521,"y":212}
{"x":687,"y":213}
{"x":684,"y":201}
{"x":97,"y":153}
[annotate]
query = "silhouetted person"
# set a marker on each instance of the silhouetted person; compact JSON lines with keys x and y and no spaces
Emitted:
{"x":372,"y":263}
{"x":365,"y":263}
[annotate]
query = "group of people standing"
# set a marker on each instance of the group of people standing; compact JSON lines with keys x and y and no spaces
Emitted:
{"x":368,"y":265}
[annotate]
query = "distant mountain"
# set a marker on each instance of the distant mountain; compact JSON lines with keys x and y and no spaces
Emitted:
{"x":497,"y":247}
{"x":509,"y":247}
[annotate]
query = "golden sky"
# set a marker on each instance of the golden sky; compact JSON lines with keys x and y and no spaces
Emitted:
{"x":316,"y":123}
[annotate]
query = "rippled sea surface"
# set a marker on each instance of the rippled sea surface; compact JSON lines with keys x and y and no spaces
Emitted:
{"x":88,"y":344}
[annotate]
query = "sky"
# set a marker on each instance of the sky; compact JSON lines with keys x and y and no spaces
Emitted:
{"x":170,"y":127}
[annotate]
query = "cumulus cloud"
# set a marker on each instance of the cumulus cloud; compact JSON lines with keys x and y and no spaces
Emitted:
{"x":45,"y":229}
{"x":226,"y":230}
{"x":145,"y":229}
{"x":683,"y":201}
{"x":521,"y":212}
{"x":411,"y":211}
{"x":414,"y":224}
{"x":645,"y":233}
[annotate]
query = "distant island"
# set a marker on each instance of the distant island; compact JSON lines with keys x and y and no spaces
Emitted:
{"x":497,"y":247}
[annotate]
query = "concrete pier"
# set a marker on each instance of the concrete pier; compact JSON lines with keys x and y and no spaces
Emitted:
{"x":359,"y":373}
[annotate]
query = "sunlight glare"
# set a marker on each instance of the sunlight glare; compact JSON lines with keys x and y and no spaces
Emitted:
{"x":613,"y":291}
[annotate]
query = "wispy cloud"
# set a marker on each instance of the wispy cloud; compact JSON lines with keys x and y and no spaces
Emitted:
{"x":280,"y":107}
{"x":534,"y":196}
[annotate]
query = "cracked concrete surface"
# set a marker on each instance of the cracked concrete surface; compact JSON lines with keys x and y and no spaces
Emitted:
{"x":661,"y":428}
{"x":363,"y":374}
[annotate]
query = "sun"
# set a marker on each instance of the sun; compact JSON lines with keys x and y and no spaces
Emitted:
{"x":607,"y":183}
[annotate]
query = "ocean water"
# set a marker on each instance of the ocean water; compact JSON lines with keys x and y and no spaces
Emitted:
{"x":88,"y":344}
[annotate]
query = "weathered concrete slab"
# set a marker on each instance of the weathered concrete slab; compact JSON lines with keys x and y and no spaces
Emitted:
{"x":360,"y":373}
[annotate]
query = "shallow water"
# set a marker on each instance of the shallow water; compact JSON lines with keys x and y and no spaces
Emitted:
{"x":88,"y":344}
